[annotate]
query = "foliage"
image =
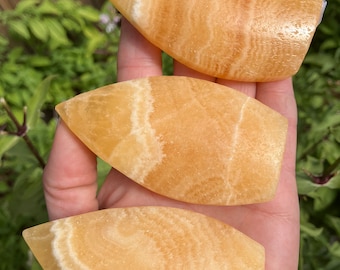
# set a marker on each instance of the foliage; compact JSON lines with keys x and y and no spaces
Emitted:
{"x":62,"y":38}
{"x":54,"y":49}
{"x":50,"y":51}
{"x":317,"y":88}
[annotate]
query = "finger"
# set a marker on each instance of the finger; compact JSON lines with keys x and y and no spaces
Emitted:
{"x":280,"y":97}
{"x":182,"y":70}
{"x":70,"y":176}
{"x":244,"y":87}
{"x":137,"y":58}
{"x":248,"y":88}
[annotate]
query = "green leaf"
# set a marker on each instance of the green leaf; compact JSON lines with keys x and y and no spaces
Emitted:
{"x":19,"y":28}
{"x":323,"y":197}
{"x":48,"y":8}
{"x":336,"y":133}
{"x":4,"y":187}
{"x":334,"y":264}
{"x":329,"y":44}
{"x":6,"y":143}
{"x":88,"y":13}
{"x":326,"y":29}
{"x":23,"y":5}
{"x":305,"y":185}
{"x":3,"y":41}
{"x":38,"y":29}
{"x":36,"y":102}
{"x":334,"y":182}
{"x":70,"y":24}
{"x":13,"y":56}
{"x":68,"y":6}
{"x":311,"y":230}
{"x":40,"y":61}
{"x":9,"y":78}
{"x":57,"y":33}
{"x":335,"y":249}
{"x":103,"y":169}
{"x":334,"y":222}
{"x":325,"y":61}
{"x":328,"y":66}
{"x":313,"y":165}
{"x":94,"y":37}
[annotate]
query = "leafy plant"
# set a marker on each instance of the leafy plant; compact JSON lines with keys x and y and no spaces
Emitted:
{"x":62,"y":38}
{"x":50,"y":51}
{"x":22,"y":201}
{"x":318,"y":162}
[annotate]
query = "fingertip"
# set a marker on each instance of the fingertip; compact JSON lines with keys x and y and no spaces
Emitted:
{"x":248,"y":88}
{"x":137,"y":57}
{"x":182,"y":70}
{"x":68,"y":154}
{"x":279,"y":95}
{"x":69,"y":177}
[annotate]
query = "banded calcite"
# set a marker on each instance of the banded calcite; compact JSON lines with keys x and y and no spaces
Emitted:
{"x":142,"y":238}
{"x":184,"y":138}
{"x":247,"y":40}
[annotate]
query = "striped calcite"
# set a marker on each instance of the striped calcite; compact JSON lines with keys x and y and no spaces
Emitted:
{"x":247,"y":40}
{"x":184,"y":138}
{"x":142,"y":238}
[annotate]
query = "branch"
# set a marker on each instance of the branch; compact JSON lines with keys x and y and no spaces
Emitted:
{"x":22,"y":131}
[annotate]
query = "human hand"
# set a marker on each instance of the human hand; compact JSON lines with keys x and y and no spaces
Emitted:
{"x":70,"y":177}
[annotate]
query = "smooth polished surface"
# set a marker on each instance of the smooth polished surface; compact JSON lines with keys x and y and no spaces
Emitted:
{"x":142,"y":238}
{"x":184,"y":138}
{"x":247,"y":40}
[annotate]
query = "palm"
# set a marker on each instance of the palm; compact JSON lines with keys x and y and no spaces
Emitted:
{"x":70,"y":176}
{"x":273,"y":224}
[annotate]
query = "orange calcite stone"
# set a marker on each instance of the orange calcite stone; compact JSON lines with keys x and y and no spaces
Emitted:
{"x":142,"y":238}
{"x":184,"y":138}
{"x":252,"y":40}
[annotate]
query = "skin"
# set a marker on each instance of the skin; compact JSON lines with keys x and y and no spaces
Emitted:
{"x":70,"y":176}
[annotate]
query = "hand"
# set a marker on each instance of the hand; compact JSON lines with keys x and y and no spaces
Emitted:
{"x":70,"y":175}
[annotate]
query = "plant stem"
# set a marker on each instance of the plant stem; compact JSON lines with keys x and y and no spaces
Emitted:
{"x":22,"y":131}
{"x":332,"y":167}
{"x":9,"y":113}
{"x":311,"y":148}
{"x":34,"y":151}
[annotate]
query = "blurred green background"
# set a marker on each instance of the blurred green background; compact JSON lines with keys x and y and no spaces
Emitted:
{"x":53,"y":50}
